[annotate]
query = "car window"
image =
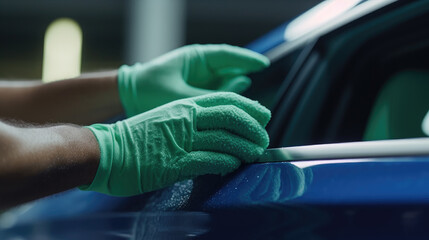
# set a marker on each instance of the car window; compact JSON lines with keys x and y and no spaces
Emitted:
{"x":388,"y":98}
{"x":267,"y":84}
{"x":400,"y":108}
{"x":346,"y":76}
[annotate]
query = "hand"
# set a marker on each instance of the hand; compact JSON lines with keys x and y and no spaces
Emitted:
{"x":210,"y":134}
{"x":186,"y":72}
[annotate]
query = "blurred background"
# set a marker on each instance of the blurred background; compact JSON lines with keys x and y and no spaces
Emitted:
{"x":95,"y":35}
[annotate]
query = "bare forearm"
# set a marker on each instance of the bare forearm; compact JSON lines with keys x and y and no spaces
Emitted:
{"x":39,"y":161}
{"x":84,"y":100}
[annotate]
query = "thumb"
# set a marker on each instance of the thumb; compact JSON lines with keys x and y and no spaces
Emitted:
{"x":191,"y":91}
{"x":236,"y":84}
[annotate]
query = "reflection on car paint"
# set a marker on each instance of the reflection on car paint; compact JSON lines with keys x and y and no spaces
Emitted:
{"x":96,"y":226}
{"x":352,"y":181}
{"x":264,"y":183}
{"x":268,"y":201}
{"x":171,"y":225}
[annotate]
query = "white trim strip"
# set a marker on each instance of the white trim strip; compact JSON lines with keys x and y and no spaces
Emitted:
{"x":369,"y":149}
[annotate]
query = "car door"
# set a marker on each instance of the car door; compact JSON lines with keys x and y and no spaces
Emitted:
{"x":324,"y":88}
{"x":366,"y":75}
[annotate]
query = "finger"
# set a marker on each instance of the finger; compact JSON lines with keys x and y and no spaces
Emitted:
{"x":198,"y":163}
{"x":228,"y":143}
{"x":234,"y":120}
{"x":191,"y":91}
{"x":230,"y":60}
{"x":237,"y":84}
{"x":253,"y":108}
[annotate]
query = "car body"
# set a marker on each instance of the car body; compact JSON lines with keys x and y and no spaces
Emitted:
{"x":330,"y":172}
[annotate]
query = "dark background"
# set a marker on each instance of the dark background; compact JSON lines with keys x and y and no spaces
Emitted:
{"x":104,"y":25}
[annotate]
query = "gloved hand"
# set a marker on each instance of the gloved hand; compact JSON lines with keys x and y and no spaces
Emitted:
{"x":186,"y":72}
{"x":210,"y":134}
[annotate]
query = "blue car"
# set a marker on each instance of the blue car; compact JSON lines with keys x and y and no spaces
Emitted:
{"x":349,"y":154}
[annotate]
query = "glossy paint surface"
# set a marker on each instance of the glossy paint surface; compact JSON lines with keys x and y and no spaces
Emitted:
{"x":377,"y":198}
{"x":270,"y":40}
{"x":327,"y":199}
{"x":349,"y":181}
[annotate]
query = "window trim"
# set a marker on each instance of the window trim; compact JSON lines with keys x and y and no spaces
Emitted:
{"x":350,"y":150}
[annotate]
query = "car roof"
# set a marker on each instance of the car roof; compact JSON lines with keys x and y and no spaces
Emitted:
{"x":317,"y":21}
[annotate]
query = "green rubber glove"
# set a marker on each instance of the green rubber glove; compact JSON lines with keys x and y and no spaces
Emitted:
{"x":186,"y":72}
{"x":210,"y":134}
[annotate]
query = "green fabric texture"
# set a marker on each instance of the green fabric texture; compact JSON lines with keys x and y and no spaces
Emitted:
{"x":189,"y":71}
{"x":400,"y":107}
{"x":209,"y":134}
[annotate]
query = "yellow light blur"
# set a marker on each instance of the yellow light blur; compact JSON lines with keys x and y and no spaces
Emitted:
{"x":62,"y":50}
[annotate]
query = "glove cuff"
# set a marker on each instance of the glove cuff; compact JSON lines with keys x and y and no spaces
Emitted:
{"x":105,"y":139}
{"x":128,"y":90}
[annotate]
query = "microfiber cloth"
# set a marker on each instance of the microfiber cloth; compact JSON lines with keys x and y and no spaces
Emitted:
{"x":209,"y":134}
